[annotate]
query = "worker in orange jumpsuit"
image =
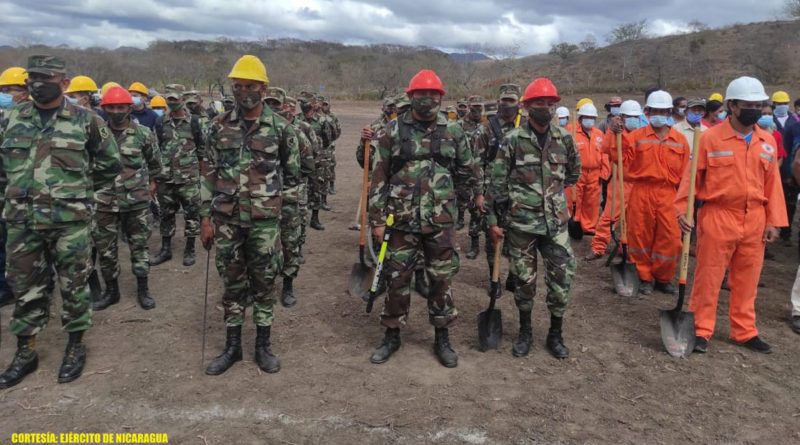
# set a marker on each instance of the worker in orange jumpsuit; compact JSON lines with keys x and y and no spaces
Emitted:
{"x":743,"y":207}
{"x":654,"y":157}
{"x":594,"y":165}
{"x":628,"y":120}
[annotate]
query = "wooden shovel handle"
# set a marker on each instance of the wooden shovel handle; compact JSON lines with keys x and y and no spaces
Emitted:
{"x":687,"y":237}
{"x":496,"y":269}
{"x":362,"y":203}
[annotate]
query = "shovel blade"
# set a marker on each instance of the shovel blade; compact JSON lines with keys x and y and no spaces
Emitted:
{"x":361,"y":277}
{"x":626,"y":279}
{"x":490,"y":329}
{"x":574,"y":229}
{"x":677,"y":332}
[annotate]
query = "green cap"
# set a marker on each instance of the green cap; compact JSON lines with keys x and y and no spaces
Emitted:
{"x":475,"y":100}
{"x":305,"y":96}
{"x":388,"y":101}
{"x":510,"y":91}
{"x":192,"y":96}
{"x":290,"y":101}
{"x":47,"y":65}
{"x":463,"y":101}
{"x":174,"y":90}
{"x":276,"y":93}
{"x":402,"y":101}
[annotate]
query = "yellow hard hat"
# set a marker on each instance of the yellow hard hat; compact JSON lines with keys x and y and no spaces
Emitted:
{"x":716,"y":96}
{"x":158,"y":101}
{"x":249,"y":67}
{"x":781,"y":97}
{"x":79,"y":84}
{"x":106,"y":86}
{"x":139,"y":88}
{"x":14,"y":76}
{"x":583,"y":102}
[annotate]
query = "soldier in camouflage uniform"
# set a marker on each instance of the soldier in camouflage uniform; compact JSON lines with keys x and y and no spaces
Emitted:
{"x":337,"y":131}
{"x":318,"y":186}
{"x":253,"y":162}
{"x":126,"y":207}
{"x":373,"y":130}
{"x":526,"y":191}
{"x":180,"y":139}
{"x":462,"y":108}
{"x":420,"y":156}
{"x":54,"y":156}
{"x":194,"y":103}
{"x":291,"y":224}
{"x":470,"y":124}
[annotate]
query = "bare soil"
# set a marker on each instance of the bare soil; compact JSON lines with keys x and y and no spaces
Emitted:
{"x":619,"y":385}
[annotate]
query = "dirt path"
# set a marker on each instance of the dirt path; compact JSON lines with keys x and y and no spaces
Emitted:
{"x":144,"y":372}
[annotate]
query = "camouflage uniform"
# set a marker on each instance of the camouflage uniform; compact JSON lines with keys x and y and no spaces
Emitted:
{"x":318,"y":186}
{"x":126,"y":206}
{"x":415,"y":182}
{"x":246,"y":173}
{"x":466,"y":196}
{"x":525,"y":188}
{"x":336,"y":128}
{"x":52,"y":170}
{"x":309,"y":150}
{"x":378,"y":126}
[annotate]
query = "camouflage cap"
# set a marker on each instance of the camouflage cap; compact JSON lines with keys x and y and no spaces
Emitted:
{"x":463,"y":101}
{"x":320,"y":98}
{"x":450,"y":109}
{"x":192,"y":97}
{"x":276,"y":93}
{"x":388,"y":101}
{"x":47,"y":65}
{"x":510,"y":91}
{"x":305,"y":96}
{"x":490,"y":107}
{"x":402,"y":101}
{"x":174,"y":91}
{"x":290,"y":101}
{"x":696,"y":102}
{"x":475,"y":100}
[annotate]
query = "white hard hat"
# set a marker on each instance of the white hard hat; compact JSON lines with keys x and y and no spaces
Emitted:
{"x":630,"y":108}
{"x":746,"y":88}
{"x":659,"y":99}
{"x":587,"y":110}
{"x":562,"y":111}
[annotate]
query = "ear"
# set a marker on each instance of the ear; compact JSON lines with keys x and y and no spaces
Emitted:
{"x":64,"y":83}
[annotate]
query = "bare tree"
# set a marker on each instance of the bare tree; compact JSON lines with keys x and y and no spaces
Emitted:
{"x":588,"y":43}
{"x":563,"y":50}
{"x":792,"y":8}
{"x":628,"y":32}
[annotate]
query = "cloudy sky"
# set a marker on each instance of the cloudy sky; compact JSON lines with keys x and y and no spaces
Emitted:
{"x":532,"y":25}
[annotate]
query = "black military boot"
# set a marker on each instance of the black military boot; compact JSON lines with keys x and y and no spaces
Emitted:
{"x":332,"y":189}
{"x":300,"y":258}
{"x":110,"y":296}
{"x":25,"y":361}
{"x":522,"y":344}
{"x":74,"y":358}
{"x":230,"y":355}
{"x":166,"y":251}
{"x":441,"y":346}
{"x":325,"y":205}
{"x":389,"y":344}
{"x":315,"y":224}
{"x":474,"y":248}
{"x":265,"y":359}
{"x":460,"y":220}
{"x":95,"y":290}
{"x":421,"y":284}
{"x":146,"y":301}
{"x":555,"y":343}
{"x":188,"y":252}
{"x":287,"y":294}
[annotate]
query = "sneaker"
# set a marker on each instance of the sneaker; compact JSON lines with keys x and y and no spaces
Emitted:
{"x":646,"y":288}
{"x":700,"y":345}
{"x":666,"y":287}
{"x":756,"y":344}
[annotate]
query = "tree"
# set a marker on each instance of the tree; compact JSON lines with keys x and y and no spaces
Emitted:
{"x":563,"y":50}
{"x":627,"y":32}
{"x":792,"y":8}
{"x":589,"y":43}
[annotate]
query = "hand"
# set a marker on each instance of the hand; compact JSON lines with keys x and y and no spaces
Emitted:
{"x":378,"y":232}
{"x":616,"y":124}
{"x":367,"y":133}
{"x":684,"y":224}
{"x":496,"y":234}
{"x":152,"y":187}
{"x":770,"y":234}
{"x":479,"y":203}
{"x":206,"y":233}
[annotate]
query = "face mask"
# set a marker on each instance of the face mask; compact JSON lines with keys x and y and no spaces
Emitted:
{"x":681,"y":111}
{"x":562,"y":121}
{"x":670,"y":121}
{"x":6,"y":100}
{"x":137,"y":101}
{"x":44,"y":92}
{"x":748,"y":116}
{"x":614,"y":111}
{"x":587,"y":123}
{"x":117,"y":118}
{"x":475,"y":113}
{"x":72,"y":100}
{"x":305,"y":108}
{"x":781,"y":110}
{"x":247,"y":99}
{"x":694,"y":118}
{"x":658,"y":121}
{"x":159,"y":112}
{"x":765,"y":122}
{"x":508,"y":111}
{"x":632,"y":123}
{"x":721,"y":116}
{"x":540,"y":116}
{"x":462,"y":112}
{"x":174,"y":106}
{"x":425,"y":107}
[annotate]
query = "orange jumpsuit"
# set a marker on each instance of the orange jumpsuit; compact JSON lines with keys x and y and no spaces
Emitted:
{"x":593,"y":166}
{"x":742,"y":194}
{"x":654,"y":168}
{"x":602,"y":233}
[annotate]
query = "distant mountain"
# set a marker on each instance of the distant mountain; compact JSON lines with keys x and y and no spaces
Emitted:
{"x":468,"y":57}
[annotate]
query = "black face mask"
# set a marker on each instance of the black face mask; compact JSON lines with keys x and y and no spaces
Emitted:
{"x":475,"y":113}
{"x":44,"y":92}
{"x":247,"y":99}
{"x":508,"y":111}
{"x":541,"y":116}
{"x":461,"y":112}
{"x":748,"y":116}
{"x":425,"y":107}
{"x":305,"y":108}
{"x":117,"y":118}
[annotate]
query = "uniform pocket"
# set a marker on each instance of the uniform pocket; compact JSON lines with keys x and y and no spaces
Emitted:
{"x":69,"y":156}
{"x":401,"y":203}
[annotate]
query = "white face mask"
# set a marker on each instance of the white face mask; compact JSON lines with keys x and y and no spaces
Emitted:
{"x":588,"y":123}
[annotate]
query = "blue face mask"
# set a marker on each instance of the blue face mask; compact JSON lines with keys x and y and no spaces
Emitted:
{"x":721,"y":116}
{"x":614,"y":111}
{"x":670,"y":121}
{"x":6,"y":100}
{"x":72,"y":100}
{"x":137,"y":101}
{"x":562,"y":121}
{"x":694,"y":118}
{"x":681,"y":111}
{"x":781,"y":110}
{"x":632,"y":123}
{"x":588,"y":123}
{"x":658,"y":121}
{"x":765,"y":122}
{"x":159,"y":112}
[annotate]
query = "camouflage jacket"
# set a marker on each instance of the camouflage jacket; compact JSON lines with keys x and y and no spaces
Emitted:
{"x":182,"y":143}
{"x":378,"y":126}
{"x":470,"y":128}
{"x":527,"y":181}
{"x":413,"y":181}
{"x":53,"y":169}
{"x":247,"y":172}
{"x":336,"y":127}
{"x":307,"y":149}
{"x":488,"y":139}
{"x":322,"y":127}
{"x":141,"y":160}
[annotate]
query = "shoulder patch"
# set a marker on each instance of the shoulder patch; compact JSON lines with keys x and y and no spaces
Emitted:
{"x":768,"y":148}
{"x":104,"y":133}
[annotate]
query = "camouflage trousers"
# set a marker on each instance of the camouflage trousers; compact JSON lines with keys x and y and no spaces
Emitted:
{"x":332,"y":163}
{"x":3,"y":237}
{"x":318,"y":184}
{"x":441,"y":265}
{"x":249,"y":259}
{"x":173,"y":196}
{"x":290,"y":239}
{"x":135,"y":226}
{"x":303,"y":213}
{"x":30,"y":254}
{"x":559,"y":263}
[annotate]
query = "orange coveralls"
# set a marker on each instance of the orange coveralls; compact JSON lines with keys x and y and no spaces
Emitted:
{"x":741,"y":190}
{"x":593,"y":166}
{"x":602,"y":233}
{"x":654,"y":167}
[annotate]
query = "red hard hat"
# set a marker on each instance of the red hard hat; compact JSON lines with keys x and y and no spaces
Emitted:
{"x":541,"y":87}
{"x":425,"y":80}
{"x":116,"y":95}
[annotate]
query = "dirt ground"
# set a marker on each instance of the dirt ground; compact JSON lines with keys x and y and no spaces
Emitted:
{"x":619,"y":386}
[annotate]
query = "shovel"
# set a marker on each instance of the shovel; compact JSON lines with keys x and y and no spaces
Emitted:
{"x":677,"y":325}
{"x":574,"y":228}
{"x":615,"y":246}
{"x":624,"y":274}
{"x":373,"y":290}
{"x":361,"y":275}
{"x":490,"y":321}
